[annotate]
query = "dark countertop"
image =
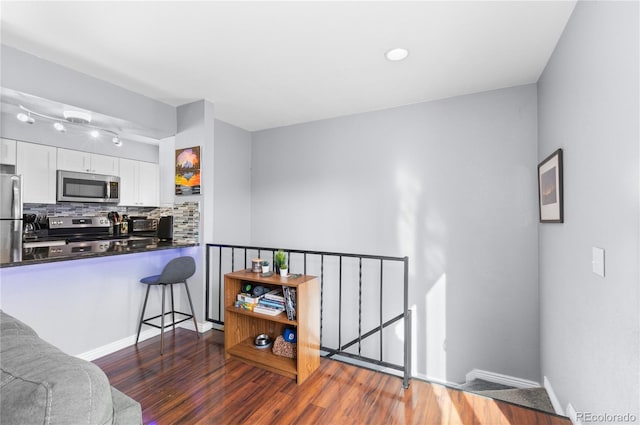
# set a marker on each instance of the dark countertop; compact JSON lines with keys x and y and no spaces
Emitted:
{"x":68,"y":252}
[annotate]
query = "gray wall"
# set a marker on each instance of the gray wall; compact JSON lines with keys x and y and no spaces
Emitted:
{"x":232,"y":183}
{"x":452,"y":185}
{"x":588,"y":106}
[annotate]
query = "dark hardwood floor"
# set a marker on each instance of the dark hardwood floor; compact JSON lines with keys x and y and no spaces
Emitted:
{"x":194,"y":384}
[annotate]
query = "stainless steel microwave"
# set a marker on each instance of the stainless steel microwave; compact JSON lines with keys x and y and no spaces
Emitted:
{"x":85,"y":187}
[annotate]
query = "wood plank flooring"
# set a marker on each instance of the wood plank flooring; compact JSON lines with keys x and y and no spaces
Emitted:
{"x":193,"y":384}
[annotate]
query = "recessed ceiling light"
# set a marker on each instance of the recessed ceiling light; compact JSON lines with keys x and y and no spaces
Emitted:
{"x":59,"y":126}
{"x":95,"y":134}
{"x":398,"y":54}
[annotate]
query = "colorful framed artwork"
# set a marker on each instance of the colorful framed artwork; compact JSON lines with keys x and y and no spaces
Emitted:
{"x":550,"y":190}
{"x":188,"y":171}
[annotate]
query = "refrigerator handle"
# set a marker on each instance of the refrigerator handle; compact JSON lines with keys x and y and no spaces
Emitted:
{"x":16,"y":199}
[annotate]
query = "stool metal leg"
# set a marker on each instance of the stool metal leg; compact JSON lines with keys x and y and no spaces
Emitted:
{"x":173,"y":309}
{"x":193,"y":315}
{"x":162,"y":323}
{"x":144,"y":307}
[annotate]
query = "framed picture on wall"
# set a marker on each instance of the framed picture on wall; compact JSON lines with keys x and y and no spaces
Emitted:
{"x":188,"y":171}
{"x":550,"y":196}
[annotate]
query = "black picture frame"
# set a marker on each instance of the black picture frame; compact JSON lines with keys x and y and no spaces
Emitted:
{"x":550,"y":189}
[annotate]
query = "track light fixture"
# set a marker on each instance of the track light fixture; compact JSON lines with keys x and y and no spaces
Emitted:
{"x":79,"y":119}
{"x":25,"y":118}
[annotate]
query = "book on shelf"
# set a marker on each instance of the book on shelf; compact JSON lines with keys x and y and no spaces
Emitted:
{"x":290,"y":302}
{"x":245,"y":306}
{"x":266,"y":310}
{"x":275,"y":295}
{"x":246,"y":298}
{"x":272,"y":304}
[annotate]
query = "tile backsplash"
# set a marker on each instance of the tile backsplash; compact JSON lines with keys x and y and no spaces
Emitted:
{"x":186,"y":220}
{"x":186,"y":216}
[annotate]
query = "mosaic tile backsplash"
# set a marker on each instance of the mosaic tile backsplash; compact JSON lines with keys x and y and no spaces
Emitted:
{"x":186,"y":216}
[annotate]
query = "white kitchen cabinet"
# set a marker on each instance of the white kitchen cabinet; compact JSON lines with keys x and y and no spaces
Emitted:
{"x":138,"y":183}
{"x":86,"y":162}
{"x":8,"y":151}
{"x":37,"y":164}
{"x":104,"y":164}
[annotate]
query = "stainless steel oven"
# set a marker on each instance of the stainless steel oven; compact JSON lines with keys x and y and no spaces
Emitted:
{"x":85,"y":187}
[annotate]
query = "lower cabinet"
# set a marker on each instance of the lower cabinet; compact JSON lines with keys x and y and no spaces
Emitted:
{"x":242,"y":326}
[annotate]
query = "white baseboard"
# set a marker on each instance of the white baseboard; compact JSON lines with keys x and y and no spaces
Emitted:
{"x":573,"y":415}
{"x":435,"y":380}
{"x":499,"y":378}
{"x":202,"y":327}
{"x":112,"y":347}
{"x":552,"y":396}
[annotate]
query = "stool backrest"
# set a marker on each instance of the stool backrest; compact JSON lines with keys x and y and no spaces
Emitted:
{"x":178,"y":270}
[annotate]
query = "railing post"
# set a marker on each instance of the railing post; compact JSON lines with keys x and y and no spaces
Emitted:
{"x":407,"y":326}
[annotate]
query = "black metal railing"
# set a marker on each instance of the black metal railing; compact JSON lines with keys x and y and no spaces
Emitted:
{"x":371,"y":282}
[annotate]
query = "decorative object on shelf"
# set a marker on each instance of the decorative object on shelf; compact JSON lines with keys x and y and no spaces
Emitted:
{"x":263,"y":341}
{"x":290,"y":335}
{"x":283,"y":270}
{"x":279,"y":260}
{"x":284,"y":348}
{"x":550,"y":189}
{"x":188,"y":171}
{"x":259,"y":290}
{"x":289,"y":295}
{"x":265,"y":267}
{"x":256,"y":265}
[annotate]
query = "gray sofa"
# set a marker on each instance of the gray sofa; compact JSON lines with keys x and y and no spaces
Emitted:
{"x":39,"y":384}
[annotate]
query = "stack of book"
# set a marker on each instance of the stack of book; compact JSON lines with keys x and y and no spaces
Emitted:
{"x":271,"y":303}
{"x":247,"y":301}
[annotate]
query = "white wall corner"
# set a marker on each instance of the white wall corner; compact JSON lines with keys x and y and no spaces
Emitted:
{"x":202,"y":327}
{"x":435,"y":380}
{"x":573,"y":415}
{"x":552,"y":396}
{"x":499,"y":378}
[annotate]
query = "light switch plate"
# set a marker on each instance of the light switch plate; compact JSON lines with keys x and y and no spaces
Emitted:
{"x":597,"y":261}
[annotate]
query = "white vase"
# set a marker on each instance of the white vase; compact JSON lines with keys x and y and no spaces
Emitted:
{"x":283,"y":272}
{"x":265,"y":269}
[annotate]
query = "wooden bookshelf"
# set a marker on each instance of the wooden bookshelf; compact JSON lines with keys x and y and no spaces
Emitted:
{"x":242,"y":326}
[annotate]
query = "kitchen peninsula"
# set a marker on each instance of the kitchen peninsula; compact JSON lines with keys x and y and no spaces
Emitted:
{"x":132,"y":245}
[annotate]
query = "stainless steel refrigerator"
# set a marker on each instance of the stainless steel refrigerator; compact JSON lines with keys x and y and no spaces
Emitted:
{"x":10,"y":218}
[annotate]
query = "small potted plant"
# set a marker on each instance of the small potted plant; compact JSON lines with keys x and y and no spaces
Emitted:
{"x":265,"y":267}
{"x":283,"y":270}
{"x":279,"y":260}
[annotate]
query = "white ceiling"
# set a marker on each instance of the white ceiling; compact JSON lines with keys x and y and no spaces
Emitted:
{"x":268,"y":64}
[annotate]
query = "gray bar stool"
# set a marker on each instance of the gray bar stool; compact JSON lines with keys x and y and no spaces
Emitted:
{"x":176,"y":271}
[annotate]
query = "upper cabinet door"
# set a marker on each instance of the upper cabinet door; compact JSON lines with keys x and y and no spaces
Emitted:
{"x":128,"y":182}
{"x":71,"y":160}
{"x":7,"y":151}
{"x":104,"y":164}
{"x":37,"y":164}
{"x":148,"y":184}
